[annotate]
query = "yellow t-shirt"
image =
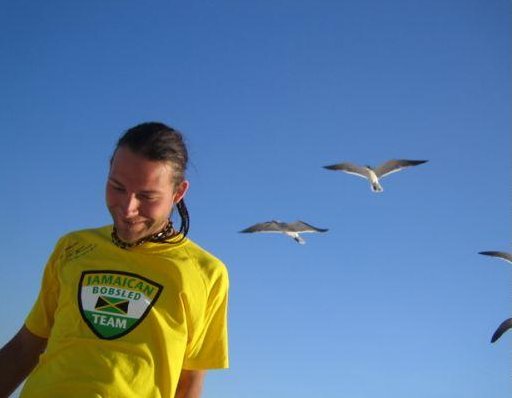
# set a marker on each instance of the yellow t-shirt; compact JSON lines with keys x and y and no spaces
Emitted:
{"x":123,"y":323}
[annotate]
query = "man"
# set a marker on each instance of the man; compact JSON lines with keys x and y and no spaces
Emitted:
{"x":134,"y":309}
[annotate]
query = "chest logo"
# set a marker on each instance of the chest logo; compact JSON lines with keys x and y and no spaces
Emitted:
{"x":113,"y":303}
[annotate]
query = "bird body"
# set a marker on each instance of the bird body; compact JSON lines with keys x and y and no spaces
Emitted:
{"x":373,"y":175}
{"x":289,"y":229}
{"x":374,"y":180}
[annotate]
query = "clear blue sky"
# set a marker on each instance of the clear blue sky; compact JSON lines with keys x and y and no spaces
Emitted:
{"x":394,"y":300}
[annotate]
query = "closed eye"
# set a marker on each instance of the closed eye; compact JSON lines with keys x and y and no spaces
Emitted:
{"x":116,"y":187}
{"x":148,"y":197}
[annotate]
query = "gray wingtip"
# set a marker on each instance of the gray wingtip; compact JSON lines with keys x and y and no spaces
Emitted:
{"x":504,"y":326}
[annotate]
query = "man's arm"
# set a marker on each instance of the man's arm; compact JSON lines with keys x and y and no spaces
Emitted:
{"x":17,"y":359}
{"x":190,"y":384}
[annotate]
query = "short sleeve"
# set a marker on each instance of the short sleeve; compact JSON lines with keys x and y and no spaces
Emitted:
{"x":208,"y":348}
{"x":40,"y":319}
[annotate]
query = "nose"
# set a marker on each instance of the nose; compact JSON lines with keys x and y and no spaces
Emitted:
{"x":130,"y":205}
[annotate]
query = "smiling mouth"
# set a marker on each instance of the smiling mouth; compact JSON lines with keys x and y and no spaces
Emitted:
{"x":131,"y":223}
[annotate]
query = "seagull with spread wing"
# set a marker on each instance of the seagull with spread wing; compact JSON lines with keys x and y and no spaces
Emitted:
{"x":290,"y":229}
{"x":503,"y":255}
{"x":374,"y":174}
{"x":505,"y":325}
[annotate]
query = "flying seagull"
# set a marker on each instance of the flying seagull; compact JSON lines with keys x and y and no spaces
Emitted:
{"x":504,"y":255}
{"x":291,"y":229}
{"x":374,"y":174}
{"x":505,"y":325}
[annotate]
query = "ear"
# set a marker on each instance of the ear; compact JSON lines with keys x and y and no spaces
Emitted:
{"x":181,"y":190}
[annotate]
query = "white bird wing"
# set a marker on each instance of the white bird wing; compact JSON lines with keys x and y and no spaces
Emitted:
{"x":268,"y":226}
{"x":349,"y":168}
{"x":301,"y":226}
{"x":504,"y":326}
{"x":504,"y":255}
{"x":392,"y":166}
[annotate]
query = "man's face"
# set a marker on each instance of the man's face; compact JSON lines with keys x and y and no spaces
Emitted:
{"x":140,"y":194}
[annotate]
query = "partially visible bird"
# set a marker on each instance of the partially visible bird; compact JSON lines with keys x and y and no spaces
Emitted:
{"x":291,"y":229}
{"x":504,"y":326}
{"x":503,"y":255}
{"x":374,"y":174}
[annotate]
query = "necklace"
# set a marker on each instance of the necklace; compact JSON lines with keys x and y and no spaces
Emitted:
{"x":159,"y":237}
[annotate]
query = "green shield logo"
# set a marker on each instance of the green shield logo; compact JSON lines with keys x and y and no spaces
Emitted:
{"x":113,"y":303}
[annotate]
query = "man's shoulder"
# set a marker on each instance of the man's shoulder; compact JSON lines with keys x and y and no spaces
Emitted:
{"x":80,"y":242}
{"x":207,"y":262}
{"x":200,"y":253}
{"x":96,"y":235}
{"x":104,"y":230}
